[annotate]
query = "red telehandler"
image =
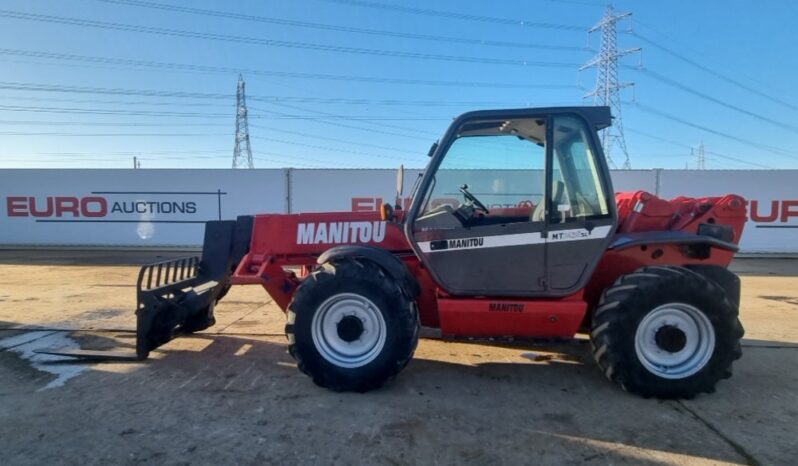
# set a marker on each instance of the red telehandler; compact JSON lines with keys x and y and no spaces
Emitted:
{"x":514,"y":232}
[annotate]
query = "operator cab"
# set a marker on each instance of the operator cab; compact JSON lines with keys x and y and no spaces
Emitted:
{"x":515,"y":203}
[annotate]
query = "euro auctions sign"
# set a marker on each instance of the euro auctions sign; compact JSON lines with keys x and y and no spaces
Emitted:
{"x":144,"y":213}
{"x":774,"y":214}
{"x":68,"y":208}
{"x":128,"y":207}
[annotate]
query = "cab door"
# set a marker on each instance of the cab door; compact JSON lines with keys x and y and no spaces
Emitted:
{"x":581,"y":218}
{"x":481,"y":228}
{"x":482,"y":216}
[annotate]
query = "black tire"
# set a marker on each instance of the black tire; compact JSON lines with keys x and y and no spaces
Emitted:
{"x":364,"y":279}
{"x":625,"y":306}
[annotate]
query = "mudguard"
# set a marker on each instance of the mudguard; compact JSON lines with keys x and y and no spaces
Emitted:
{"x":385,"y":259}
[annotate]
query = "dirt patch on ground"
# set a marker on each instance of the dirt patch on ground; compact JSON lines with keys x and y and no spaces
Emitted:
{"x":233,"y":395}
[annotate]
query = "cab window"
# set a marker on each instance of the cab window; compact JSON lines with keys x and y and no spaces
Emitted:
{"x":493,"y":173}
{"x":578,"y":192}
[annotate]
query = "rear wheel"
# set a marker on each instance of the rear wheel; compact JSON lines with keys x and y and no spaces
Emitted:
{"x":666,"y":332}
{"x":350,"y":327}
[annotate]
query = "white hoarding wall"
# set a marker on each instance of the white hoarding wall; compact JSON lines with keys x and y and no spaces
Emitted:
{"x":326,"y":190}
{"x":635,"y":180}
{"x":772,"y":197}
{"x":155,"y":208}
{"x":129,"y":207}
{"x":329,"y":190}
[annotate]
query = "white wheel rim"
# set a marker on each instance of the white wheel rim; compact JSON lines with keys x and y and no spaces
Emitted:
{"x":698,"y":341}
{"x":327,"y":335}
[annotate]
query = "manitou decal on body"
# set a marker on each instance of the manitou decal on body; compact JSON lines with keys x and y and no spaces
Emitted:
{"x":505,"y":307}
{"x":516,"y":239}
{"x":340,"y":232}
{"x":466,"y":243}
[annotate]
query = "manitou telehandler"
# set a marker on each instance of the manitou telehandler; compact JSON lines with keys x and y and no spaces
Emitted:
{"x":513,"y":232}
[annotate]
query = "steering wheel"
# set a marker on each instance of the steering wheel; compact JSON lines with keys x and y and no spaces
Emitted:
{"x":473,"y":199}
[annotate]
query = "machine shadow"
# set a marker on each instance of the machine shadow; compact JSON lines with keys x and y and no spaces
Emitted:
{"x":550,"y":393}
{"x":556,"y":394}
{"x":68,"y":257}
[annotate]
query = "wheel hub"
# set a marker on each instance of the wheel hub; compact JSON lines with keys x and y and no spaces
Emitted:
{"x":674,"y":341}
{"x":350,"y":328}
{"x":670,"y":338}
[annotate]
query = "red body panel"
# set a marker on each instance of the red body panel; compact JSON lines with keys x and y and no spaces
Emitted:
{"x":296,"y":240}
{"x":641,"y":211}
{"x":540,"y":318}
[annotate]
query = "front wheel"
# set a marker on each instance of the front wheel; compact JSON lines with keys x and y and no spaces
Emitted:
{"x":666,"y":332}
{"x":350,"y":327}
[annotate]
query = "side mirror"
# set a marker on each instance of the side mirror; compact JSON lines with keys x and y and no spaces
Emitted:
{"x":400,"y":181}
{"x":386,"y":212}
{"x":432,"y":149}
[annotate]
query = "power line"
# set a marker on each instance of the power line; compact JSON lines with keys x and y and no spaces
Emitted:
{"x":29,"y":160}
{"x":368,"y":119}
{"x":65,"y":157}
{"x":382,"y":102}
{"x":291,"y":162}
{"x":337,"y":28}
{"x":687,"y":146}
{"x":329,"y":149}
{"x":282,"y":141}
{"x":579,"y":2}
{"x":292,"y":159}
{"x":427,"y":140}
{"x":714,"y":73}
{"x":32,"y":158}
{"x":457,"y":15}
{"x":125,"y":154}
{"x":683,"y":87}
{"x":129,"y":153}
{"x":332,"y":139}
{"x":85,"y":111}
{"x":328,"y":122}
{"x":359,"y":128}
{"x":705,"y":59}
{"x":38,"y":87}
{"x":371,"y":122}
{"x":158,"y":103}
{"x":273,"y":42}
{"x":101,"y":123}
{"x":188,"y":67}
{"x":757,"y":145}
{"x":26,"y":133}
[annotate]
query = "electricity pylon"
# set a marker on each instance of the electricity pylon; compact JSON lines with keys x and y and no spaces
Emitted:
{"x":608,"y":86}
{"x":242,"y":153}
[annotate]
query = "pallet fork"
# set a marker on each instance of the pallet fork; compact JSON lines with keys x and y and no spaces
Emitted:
{"x":178,"y":296}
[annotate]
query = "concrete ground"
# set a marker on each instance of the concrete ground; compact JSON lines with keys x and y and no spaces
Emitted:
{"x":232,"y":395}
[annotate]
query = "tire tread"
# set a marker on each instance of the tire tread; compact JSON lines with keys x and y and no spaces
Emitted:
{"x":622,"y":305}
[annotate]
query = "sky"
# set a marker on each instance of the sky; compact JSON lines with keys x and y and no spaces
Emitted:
{"x":372,"y":83}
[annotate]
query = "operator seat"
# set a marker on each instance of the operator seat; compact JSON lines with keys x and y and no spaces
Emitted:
{"x":557,"y":190}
